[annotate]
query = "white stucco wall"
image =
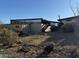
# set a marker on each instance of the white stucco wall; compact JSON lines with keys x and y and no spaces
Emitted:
{"x":36,"y":28}
{"x":64,"y":21}
{"x":20,"y":28}
{"x":75,"y":23}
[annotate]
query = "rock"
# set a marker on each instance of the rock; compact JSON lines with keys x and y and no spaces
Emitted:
{"x":25,"y":49}
{"x":19,"y":42}
{"x":15,"y":45}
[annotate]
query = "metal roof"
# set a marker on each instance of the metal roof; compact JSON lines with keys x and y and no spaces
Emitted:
{"x":26,"y":19}
{"x":68,"y":18}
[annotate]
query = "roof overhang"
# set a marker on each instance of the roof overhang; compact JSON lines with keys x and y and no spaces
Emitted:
{"x":68,"y":18}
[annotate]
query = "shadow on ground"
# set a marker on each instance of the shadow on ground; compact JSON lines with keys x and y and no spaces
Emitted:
{"x":46,"y":51}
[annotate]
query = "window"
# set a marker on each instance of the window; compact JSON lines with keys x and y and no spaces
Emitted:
{"x":17,"y":26}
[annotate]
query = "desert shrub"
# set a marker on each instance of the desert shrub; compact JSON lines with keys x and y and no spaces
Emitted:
{"x":7,"y":36}
{"x":67,"y":27}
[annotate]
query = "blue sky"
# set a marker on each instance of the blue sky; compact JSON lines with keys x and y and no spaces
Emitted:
{"x":47,"y":9}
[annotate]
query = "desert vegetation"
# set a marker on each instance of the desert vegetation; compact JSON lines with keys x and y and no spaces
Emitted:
{"x":34,"y":46}
{"x":7,"y":36}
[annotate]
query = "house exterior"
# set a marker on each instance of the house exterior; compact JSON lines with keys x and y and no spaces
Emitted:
{"x":31,"y":26}
{"x":27,"y":26}
{"x":74,"y":21}
{"x":68,"y":19}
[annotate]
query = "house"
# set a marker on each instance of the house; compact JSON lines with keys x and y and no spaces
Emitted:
{"x":74,"y":21}
{"x":68,"y":19}
{"x":29,"y":26}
